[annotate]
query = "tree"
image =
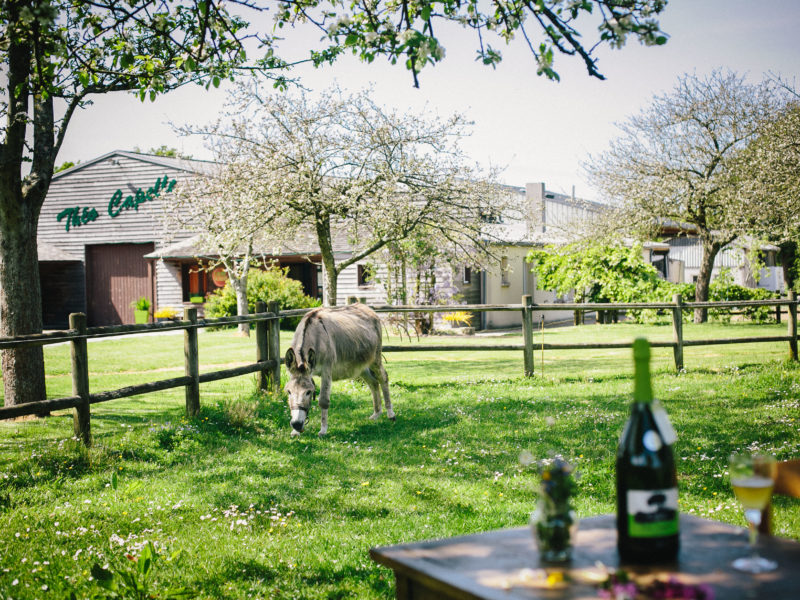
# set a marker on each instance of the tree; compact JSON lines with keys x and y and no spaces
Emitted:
{"x":343,"y":166}
{"x":226,"y":211}
{"x":406,"y":32}
{"x":673,"y":161}
{"x":56,"y":55}
{"x":164,"y":150}
{"x":766,"y":185}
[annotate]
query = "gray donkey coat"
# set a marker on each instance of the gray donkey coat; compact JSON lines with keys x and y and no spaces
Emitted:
{"x":335,"y":343}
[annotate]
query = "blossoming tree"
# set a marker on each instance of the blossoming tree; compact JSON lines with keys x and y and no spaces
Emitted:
{"x":673,"y":162}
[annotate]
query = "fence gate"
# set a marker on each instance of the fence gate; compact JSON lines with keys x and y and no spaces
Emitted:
{"x":116,"y":275}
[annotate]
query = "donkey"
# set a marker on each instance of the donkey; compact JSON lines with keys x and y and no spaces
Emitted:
{"x":335,"y":343}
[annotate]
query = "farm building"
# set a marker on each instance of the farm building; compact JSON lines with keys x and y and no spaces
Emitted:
{"x":102,"y":245}
{"x":98,"y":229}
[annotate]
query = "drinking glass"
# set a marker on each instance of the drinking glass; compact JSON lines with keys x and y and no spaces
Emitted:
{"x":752,"y":478}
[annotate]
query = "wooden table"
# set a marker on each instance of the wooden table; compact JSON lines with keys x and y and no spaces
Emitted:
{"x":504,"y":565}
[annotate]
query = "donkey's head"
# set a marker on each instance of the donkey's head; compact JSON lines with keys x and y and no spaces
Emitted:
{"x":300,"y":387}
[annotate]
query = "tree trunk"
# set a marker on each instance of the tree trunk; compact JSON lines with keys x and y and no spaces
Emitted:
{"x":328,"y":260}
{"x":788,"y":256}
{"x":239,"y":285}
{"x":710,"y":251}
{"x":20,"y":300}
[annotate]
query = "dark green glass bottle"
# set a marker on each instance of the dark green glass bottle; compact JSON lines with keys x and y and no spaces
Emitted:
{"x":647,"y":483}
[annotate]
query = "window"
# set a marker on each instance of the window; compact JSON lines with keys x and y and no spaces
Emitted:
{"x":467,"y":275}
{"x":365,"y":275}
{"x":504,"y":279}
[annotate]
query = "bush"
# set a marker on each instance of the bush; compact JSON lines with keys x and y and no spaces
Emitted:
{"x":270,"y":284}
{"x":722,"y":288}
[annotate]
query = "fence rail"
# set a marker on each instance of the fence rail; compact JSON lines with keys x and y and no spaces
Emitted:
{"x":268,"y":357}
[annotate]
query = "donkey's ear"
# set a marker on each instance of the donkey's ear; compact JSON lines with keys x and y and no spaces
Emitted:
{"x":312,"y":359}
{"x":290,"y":359}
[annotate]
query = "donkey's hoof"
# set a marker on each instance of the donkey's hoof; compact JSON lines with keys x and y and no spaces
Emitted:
{"x":322,"y":434}
{"x":393,"y":419}
{"x":374,"y":416}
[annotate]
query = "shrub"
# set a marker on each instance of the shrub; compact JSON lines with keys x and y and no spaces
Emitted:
{"x":722,"y":288}
{"x":270,"y":284}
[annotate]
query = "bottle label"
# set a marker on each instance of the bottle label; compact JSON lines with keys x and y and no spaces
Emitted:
{"x":652,"y":513}
{"x":665,"y":428}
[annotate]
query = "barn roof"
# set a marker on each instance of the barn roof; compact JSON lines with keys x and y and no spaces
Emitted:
{"x":181,"y":164}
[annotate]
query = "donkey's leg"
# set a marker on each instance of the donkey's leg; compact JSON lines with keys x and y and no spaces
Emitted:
{"x":324,"y":402}
{"x":380,"y":374}
{"x":372,"y":382}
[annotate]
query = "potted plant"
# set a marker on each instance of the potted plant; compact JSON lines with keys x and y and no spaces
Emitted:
{"x":166,"y":313}
{"x":141,"y":310}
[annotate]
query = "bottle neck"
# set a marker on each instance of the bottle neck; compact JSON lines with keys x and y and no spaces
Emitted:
{"x":642,"y":389}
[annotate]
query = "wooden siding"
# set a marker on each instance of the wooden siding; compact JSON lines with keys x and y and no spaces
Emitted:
{"x":92,"y":187}
{"x":690,"y":251}
{"x":169,"y":291}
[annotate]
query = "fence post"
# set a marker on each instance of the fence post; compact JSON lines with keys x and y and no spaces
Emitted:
{"x":81,"y":417}
{"x":677,"y":331}
{"x":778,"y":310}
{"x":793,"y":325}
{"x":527,"y":334}
{"x":191,"y":364}
{"x":262,"y":346}
{"x":274,"y":346}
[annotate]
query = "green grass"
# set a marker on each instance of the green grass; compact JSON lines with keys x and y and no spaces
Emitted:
{"x":255,"y":513}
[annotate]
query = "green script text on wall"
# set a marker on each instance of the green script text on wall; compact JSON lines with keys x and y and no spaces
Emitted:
{"x":74,"y":217}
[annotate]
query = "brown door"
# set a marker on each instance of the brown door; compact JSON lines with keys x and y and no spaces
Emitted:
{"x":116,"y":275}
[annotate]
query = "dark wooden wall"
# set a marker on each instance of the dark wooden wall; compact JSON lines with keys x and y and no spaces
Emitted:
{"x":62,"y":292}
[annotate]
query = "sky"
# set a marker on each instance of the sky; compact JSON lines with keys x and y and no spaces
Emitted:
{"x":534,"y":129}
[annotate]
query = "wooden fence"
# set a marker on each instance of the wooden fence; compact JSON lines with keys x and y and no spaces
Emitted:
{"x":268,"y":356}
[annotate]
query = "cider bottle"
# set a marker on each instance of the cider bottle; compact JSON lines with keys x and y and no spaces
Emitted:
{"x":647,"y":484}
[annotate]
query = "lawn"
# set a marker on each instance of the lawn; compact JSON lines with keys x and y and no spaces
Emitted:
{"x":236,"y":508}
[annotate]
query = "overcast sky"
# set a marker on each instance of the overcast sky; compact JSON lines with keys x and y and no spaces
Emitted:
{"x":538,"y":130}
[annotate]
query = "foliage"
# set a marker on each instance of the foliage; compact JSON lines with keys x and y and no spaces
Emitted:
{"x":596,"y":272}
{"x":268,"y":284}
{"x":722,"y":289}
{"x":141,"y":304}
{"x":163,"y":150}
{"x":68,"y":164}
{"x":600,"y":273}
{"x":671,"y":164}
{"x":404,"y":32}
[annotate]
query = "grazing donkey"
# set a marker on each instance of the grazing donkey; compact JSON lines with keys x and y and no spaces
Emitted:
{"x":335,"y":343}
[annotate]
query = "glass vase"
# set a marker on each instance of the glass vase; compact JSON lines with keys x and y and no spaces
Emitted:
{"x":554,"y":527}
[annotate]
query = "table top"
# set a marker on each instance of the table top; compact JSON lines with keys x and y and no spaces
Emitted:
{"x":505,"y":565}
